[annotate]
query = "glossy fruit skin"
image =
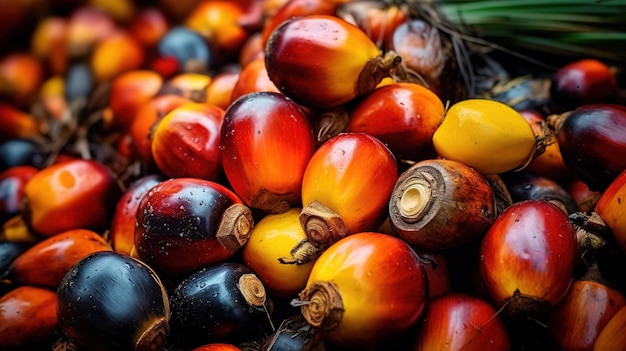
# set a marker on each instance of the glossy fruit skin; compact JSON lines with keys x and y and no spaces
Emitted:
{"x":582,"y":82}
{"x":28,"y":317}
{"x":297,"y":8}
{"x":184,"y":224}
{"x":402,"y":115}
{"x":611,"y":206}
{"x":446,"y":321}
{"x":186,"y":142}
{"x":266,"y":143}
{"x":122,"y":230}
{"x":382,"y":286}
{"x":84,"y":188}
{"x":279,"y":253}
{"x":576,"y":321}
{"x":12,"y":183}
{"x":213,"y":305}
{"x":253,"y":78}
{"x":592,"y":140}
{"x":108,"y":300}
{"x":148,"y":115}
{"x":317,"y":60}
{"x":612,"y":335}
{"x":486,"y":135}
{"x":531,"y":248}
{"x":440,"y":204}
{"x":340,"y":175}
{"x":46,"y":263}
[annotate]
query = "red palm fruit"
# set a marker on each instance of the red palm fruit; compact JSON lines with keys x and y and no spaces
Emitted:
{"x":436,"y":267}
{"x":188,"y":85}
{"x":73,"y":194}
{"x":527,"y":258}
{"x":47,"y":262}
{"x":186,"y":142}
{"x":585,"y":199}
{"x":185,"y":224}
{"x":21,"y":74}
{"x":612,"y":336}
{"x":575,"y":322}
{"x":129,"y":92}
{"x":364,"y":290}
{"x":12,"y":183}
{"x":266,"y":143}
{"x":459,"y":321}
{"x":346,"y":187}
{"x":116,"y":54}
{"x":402,"y":115}
{"x":611,"y":207}
{"x":377,"y":20}
{"x":148,"y":26}
{"x":440,"y":204}
{"x":592,"y":140}
{"x":28,"y":317}
{"x":323,"y":61}
{"x":278,"y":252}
{"x":147,"y":116}
{"x":549,"y":163}
{"x":16,"y":123}
{"x":220,"y":90}
{"x":582,"y":82}
{"x":218,"y":23}
{"x":48,"y":42}
{"x":298,"y":8}
{"x":253,"y":78}
{"x":122,"y":231}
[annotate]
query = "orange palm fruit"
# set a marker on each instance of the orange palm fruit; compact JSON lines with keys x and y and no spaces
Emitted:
{"x":129,"y":91}
{"x":364,"y":290}
{"x":323,"y":61}
{"x":611,"y":207}
{"x":116,"y":54}
{"x":46,"y":263}
{"x":72,"y":194}
{"x":143,"y":124}
{"x":346,"y":187}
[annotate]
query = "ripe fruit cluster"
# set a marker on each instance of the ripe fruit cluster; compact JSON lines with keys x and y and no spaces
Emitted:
{"x":215,"y":175}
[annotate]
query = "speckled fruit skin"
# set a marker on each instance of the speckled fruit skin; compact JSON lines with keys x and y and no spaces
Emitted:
{"x":180,"y":222}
